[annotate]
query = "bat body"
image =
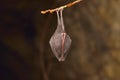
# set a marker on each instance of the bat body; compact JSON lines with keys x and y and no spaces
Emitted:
{"x":60,"y":42}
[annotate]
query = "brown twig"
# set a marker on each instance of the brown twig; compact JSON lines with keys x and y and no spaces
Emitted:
{"x":61,"y":7}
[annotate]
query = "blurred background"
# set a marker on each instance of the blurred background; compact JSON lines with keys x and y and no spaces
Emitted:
{"x":25,"y":53}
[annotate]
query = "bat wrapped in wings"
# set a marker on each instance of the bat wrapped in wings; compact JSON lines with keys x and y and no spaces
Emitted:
{"x":60,"y":42}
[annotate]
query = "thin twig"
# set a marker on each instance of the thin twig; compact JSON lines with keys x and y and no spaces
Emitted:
{"x":61,"y":7}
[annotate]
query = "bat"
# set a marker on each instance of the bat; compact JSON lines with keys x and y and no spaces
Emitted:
{"x":60,"y":42}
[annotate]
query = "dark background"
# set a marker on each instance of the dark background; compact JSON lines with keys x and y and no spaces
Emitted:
{"x":93,"y":25}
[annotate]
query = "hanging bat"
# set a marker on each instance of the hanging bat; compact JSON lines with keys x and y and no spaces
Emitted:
{"x":60,"y":42}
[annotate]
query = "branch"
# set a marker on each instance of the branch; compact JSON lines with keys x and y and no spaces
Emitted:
{"x":61,"y":7}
